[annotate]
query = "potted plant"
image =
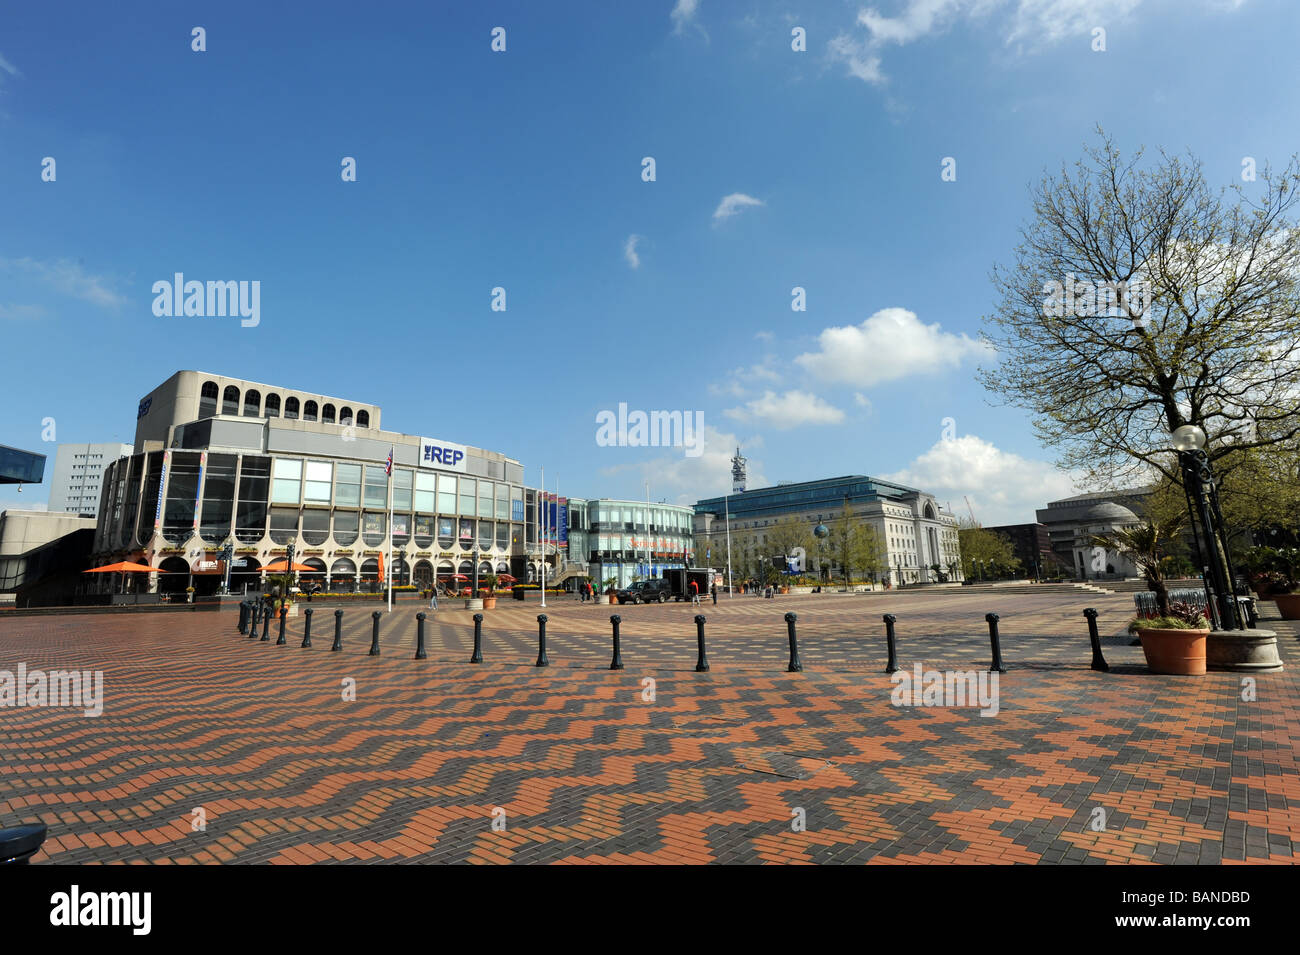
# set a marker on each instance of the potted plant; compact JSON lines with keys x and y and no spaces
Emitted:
{"x":1174,"y":643}
{"x":1273,"y":572}
{"x":189,"y":595}
{"x":489,"y":597}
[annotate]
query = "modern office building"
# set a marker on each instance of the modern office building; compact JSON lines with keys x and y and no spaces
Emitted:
{"x":220,"y":459}
{"x":1032,"y":545}
{"x":624,"y":541}
{"x":21,"y":467}
{"x":915,"y":533}
{"x":42,"y":555}
{"x":78,"y":476}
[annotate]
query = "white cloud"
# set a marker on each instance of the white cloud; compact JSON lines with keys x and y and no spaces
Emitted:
{"x":789,"y":410}
{"x":1004,"y":488}
{"x":889,"y":345}
{"x":732,"y":204}
{"x":764,"y":336}
{"x":862,"y":63}
{"x":9,"y":67}
{"x":861,"y":400}
{"x":629,"y":251}
{"x":70,"y":279}
{"x":683,"y":16}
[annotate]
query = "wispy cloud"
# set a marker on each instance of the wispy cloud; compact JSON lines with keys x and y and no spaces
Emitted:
{"x":684,"y":15}
{"x":70,"y":279}
{"x":788,"y":410}
{"x":732,"y":205}
{"x":21,"y":313}
{"x":629,"y":251}
{"x":9,"y":67}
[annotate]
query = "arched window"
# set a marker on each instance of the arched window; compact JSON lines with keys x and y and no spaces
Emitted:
{"x":345,"y":416}
{"x":291,"y":408}
{"x":363,"y":419}
{"x":327,"y":414}
{"x":208,"y":399}
{"x":272,"y":406}
{"x":309,"y":411}
{"x":929,"y":511}
{"x":252,"y":403}
{"x":230,"y":400}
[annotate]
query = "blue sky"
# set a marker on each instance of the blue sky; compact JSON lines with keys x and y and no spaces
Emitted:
{"x":522,"y":170}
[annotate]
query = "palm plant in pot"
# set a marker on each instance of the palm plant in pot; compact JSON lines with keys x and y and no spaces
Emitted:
{"x":1174,"y":641}
{"x":489,"y":596}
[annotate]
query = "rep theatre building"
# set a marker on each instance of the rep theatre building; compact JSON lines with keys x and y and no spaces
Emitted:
{"x":221,"y":460}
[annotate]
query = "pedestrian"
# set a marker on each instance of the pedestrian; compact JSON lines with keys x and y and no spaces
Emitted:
{"x":695,"y":594}
{"x":582,"y":591}
{"x":433,"y":597}
{"x":714,"y":591}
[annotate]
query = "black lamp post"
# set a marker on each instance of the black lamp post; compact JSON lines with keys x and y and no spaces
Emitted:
{"x":1189,"y":442}
{"x":821,"y":532}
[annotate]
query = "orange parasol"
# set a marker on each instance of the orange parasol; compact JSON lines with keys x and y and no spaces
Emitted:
{"x":282,"y":565}
{"x":123,"y":567}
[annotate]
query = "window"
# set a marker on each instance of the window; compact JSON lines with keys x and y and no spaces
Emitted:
{"x":446,"y":536}
{"x":401,"y":489}
{"x":347,"y":485}
{"x":503,"y":535}
{"x":516,"y":504}
{"x":363,"y":419}
{"x":208,"y":399}
{"x":484,"y":498}
{"x":317,"y":486}
{"x":401,"y":530}
{"x":373,"y":525}
{"x":346,"y":526}
{"x":484,"y":535}
{"x":424,"y":530}
{"x":291,"y":408}
{"x":182,"y":495}
{"x":345,"y":416}
{"x":503,"y":502}
{"x":230,"y":400}
{"x":272,"y":409}
{"x":284,"y":524}
{"x":250,"y":511}
{"x":446,"y":494}
{"x":424,"y":493}
{"x":376,"y":486}
{"x":287,"y":478}
{"x":252,"y":403}
{"x":218,"y":497}
{"x":466,"y":495}
{"x":315,"y":526}
{"x":309,"y":411}
{"x":327,"y":414}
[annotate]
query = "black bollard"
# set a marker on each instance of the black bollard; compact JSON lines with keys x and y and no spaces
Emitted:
{"x":478,"y":639}
{"x":541,"y":641}
{"x":419,"y":637}
{"x":1098,"y":661}
{"x":892,"y":642}
{"x":795,"y":665}
{"x":996,"y":665}
{"x":243,"y":616}
{"x":266,"y":624}
{"x":338,"y":630}
{"x":306,"y":630}
{"x":254,"y":618}
{"x":702,"y":664}
{"x":284,"y":612}
{"x":374,"y":633}
{"x":617,"y":663}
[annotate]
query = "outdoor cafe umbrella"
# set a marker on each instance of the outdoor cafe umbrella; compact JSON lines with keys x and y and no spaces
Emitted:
{"x":124,"y":567}
{"x":282,"y":566}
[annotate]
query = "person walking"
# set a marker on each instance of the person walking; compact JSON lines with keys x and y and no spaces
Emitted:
{"x":433,"y":597}
{"x":695,"y":594}
{"x":714,"y":591}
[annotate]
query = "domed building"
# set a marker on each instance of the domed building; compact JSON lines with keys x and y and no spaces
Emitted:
{"x":1073,"y":522}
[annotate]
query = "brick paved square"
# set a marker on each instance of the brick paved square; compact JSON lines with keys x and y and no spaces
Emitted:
{"x":579,"y":766}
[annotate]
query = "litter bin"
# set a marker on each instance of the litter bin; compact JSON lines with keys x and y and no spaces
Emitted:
{"x":517,"y":592}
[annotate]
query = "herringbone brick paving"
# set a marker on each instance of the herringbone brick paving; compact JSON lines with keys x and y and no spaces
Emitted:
{"x":586,"y":769}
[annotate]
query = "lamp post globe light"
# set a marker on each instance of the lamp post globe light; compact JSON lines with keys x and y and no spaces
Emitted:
{"x":1189,"y":442}
{"x":821,"y":532}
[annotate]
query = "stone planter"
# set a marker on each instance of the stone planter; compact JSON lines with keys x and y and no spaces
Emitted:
{"x":1242,"y":650}
{"x":474,"y":603}
{"x":1288,"y":605}
{"x":1174,"y":652}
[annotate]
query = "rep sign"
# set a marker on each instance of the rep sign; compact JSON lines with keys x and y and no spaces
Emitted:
{"x":442,"y":454}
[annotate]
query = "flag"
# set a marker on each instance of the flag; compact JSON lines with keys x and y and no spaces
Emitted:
{"x":388,"y":468}
{"x":381,"y":568}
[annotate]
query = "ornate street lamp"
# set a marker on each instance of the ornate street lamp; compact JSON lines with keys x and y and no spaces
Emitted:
{"x":1203,"y":503}
{"x":821,"y":532}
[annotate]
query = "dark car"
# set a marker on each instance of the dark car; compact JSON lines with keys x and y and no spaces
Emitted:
{"x":645,"y":591}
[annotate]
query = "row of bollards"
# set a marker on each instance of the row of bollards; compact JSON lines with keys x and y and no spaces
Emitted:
{"x":253,"y":612}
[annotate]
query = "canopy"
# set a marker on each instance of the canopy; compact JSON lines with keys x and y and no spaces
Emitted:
{"x":123,"y":567}
{"x":282,"y":565}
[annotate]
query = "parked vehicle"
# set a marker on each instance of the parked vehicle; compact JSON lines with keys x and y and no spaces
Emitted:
{"x":679,"y":582}
{"x":644,"y":591}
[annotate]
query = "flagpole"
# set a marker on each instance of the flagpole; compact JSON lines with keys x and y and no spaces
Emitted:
{"x":541,"y":504}
{"x":391,"y":451}
{"x":730,"y":590}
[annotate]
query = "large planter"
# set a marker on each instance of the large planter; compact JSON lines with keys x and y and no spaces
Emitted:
{"x":489,"y":603}
{"x":1288,"y":605}
{"x":474,"y":603}
{"x":1174,"y":652}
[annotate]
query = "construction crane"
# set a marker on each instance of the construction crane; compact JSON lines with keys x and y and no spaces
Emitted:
{"x":971,"y":510}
